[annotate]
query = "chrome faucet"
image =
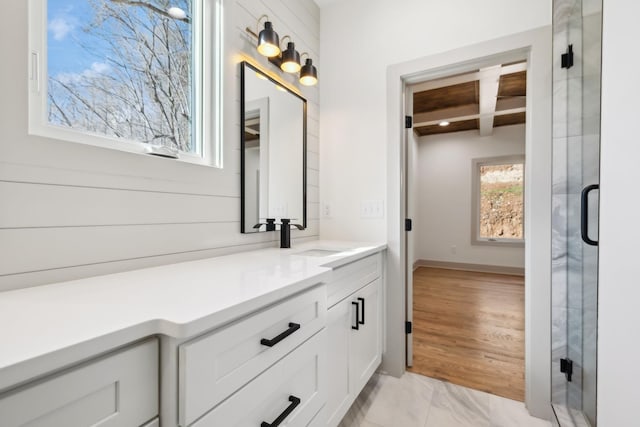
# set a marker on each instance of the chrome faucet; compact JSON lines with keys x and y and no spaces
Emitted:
{"x":285,"y":232}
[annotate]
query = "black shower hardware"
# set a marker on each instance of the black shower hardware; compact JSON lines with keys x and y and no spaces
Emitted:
{"x":584,"y":214}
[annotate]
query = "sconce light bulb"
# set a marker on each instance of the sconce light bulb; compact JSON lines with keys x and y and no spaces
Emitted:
{"x":269,"y":50}
{"x":308,"y":81}
{"x":444,"y":123}
{"x":290,"y":67}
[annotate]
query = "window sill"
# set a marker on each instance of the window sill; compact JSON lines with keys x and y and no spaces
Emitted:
{"x":105,"y":142}
{"x":505,"y":243}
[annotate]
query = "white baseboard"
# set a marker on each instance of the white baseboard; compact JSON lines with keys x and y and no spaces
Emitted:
{"x":498,"y":269}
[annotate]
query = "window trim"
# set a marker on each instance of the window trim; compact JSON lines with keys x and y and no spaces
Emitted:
{"x":208,"y":59}
{"x":475,"y":200}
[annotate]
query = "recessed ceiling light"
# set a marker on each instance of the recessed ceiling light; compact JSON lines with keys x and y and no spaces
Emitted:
{"x":444,"y":123}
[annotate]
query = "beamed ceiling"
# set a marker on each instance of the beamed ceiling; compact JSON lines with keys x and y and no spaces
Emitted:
{"x":482,"y":99}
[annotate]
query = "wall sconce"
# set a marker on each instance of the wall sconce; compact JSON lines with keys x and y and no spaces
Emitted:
{"x":308,"y":72}
{"x":288,"y":60}
{"x":268,"y":40}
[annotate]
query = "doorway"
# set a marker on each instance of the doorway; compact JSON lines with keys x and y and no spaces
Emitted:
{"x":465,"y":196}
{"x":534,"y":47}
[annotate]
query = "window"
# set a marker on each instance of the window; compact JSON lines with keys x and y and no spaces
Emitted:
{"x":498,"y":190}
{"x":126,"y":74}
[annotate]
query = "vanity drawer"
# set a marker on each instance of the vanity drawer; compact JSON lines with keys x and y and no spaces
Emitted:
{"x":214,"y":366}
{"x":117,"y":390}
{"x":347,"y":279}
{"x":293,"y":390}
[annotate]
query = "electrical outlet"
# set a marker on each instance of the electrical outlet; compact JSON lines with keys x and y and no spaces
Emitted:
{"x":454,"y":249}
{"x":326,"y":210}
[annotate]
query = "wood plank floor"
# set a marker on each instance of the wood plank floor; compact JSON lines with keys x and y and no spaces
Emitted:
{"x":468,"y":329}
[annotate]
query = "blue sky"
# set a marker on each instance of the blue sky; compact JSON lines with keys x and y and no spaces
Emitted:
{"x":66,"y":22}
{"x":65,"y":35}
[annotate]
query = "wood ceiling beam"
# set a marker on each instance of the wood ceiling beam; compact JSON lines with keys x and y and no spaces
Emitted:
{"x":470,"y":117}
{"x":464,"y":78}
{"x":489,"y":83}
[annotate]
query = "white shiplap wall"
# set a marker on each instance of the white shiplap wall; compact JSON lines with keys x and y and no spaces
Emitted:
{"x":70,"y":210}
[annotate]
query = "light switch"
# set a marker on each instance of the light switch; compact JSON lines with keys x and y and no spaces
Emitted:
{"x":372,"y":209}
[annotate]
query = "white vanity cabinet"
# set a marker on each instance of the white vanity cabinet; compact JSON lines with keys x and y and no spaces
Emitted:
{"x":263,"y":358}
{"x":117,"y":390}
{"x":354,"y":333}
{"x":289,"y":340}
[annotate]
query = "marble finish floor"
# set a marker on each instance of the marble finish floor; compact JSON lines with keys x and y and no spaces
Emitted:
{"x":418,"y":401}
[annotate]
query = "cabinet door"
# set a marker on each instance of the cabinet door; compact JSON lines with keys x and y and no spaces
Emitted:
{"x":289,"y":394}
{"x":340,"y":394}
{"x":119,"y":390}
{"x":366,"y":341}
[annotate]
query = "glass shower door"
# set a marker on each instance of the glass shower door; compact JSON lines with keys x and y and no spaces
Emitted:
{"x":576,"y":104}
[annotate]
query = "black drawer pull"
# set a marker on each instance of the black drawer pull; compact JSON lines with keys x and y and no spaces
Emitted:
{"x":357,"y":327}
{"x":294,"y":403}
{"x":361,"y":321}
{"x":270,"y":343}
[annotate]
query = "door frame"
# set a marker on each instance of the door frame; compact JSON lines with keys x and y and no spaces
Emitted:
{"x":535,"y":46}
{"x":410,"y":211}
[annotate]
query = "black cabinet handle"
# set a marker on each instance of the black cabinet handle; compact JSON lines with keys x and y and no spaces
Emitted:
{"x":361,"y":321}
{"x":357,"y":327}
{"x":273,"y":341}
{"x":294,"y":403}
{"x":584,"y":214}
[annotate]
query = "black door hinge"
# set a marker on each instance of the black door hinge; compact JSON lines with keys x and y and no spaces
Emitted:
{"x":567,"y":58}
{"x":408,"y":327}
{"x":408,"y":224}
{"x":408,"y":122}
{"x":566,"y":367}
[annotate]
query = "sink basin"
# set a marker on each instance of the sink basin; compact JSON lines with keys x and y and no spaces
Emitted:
{"x":318,"y":252}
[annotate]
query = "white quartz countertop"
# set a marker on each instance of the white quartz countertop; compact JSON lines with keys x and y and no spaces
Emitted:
{"x":48,"y":327}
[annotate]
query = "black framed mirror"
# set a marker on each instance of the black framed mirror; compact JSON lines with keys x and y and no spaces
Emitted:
{"x":273,"y":135}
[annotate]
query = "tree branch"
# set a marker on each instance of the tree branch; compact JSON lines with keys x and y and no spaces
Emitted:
{"x":60,"y":110}
{"x":152,"y":8}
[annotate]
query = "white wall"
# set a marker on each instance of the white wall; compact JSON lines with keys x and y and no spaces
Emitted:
{"x":618,"y":290}
{"x":359,"y":40}
{"x":444,"y":190}
{"x":70,"y":210}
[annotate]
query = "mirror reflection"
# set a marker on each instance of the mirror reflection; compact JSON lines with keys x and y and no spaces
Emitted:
{"x":273,"y":146}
